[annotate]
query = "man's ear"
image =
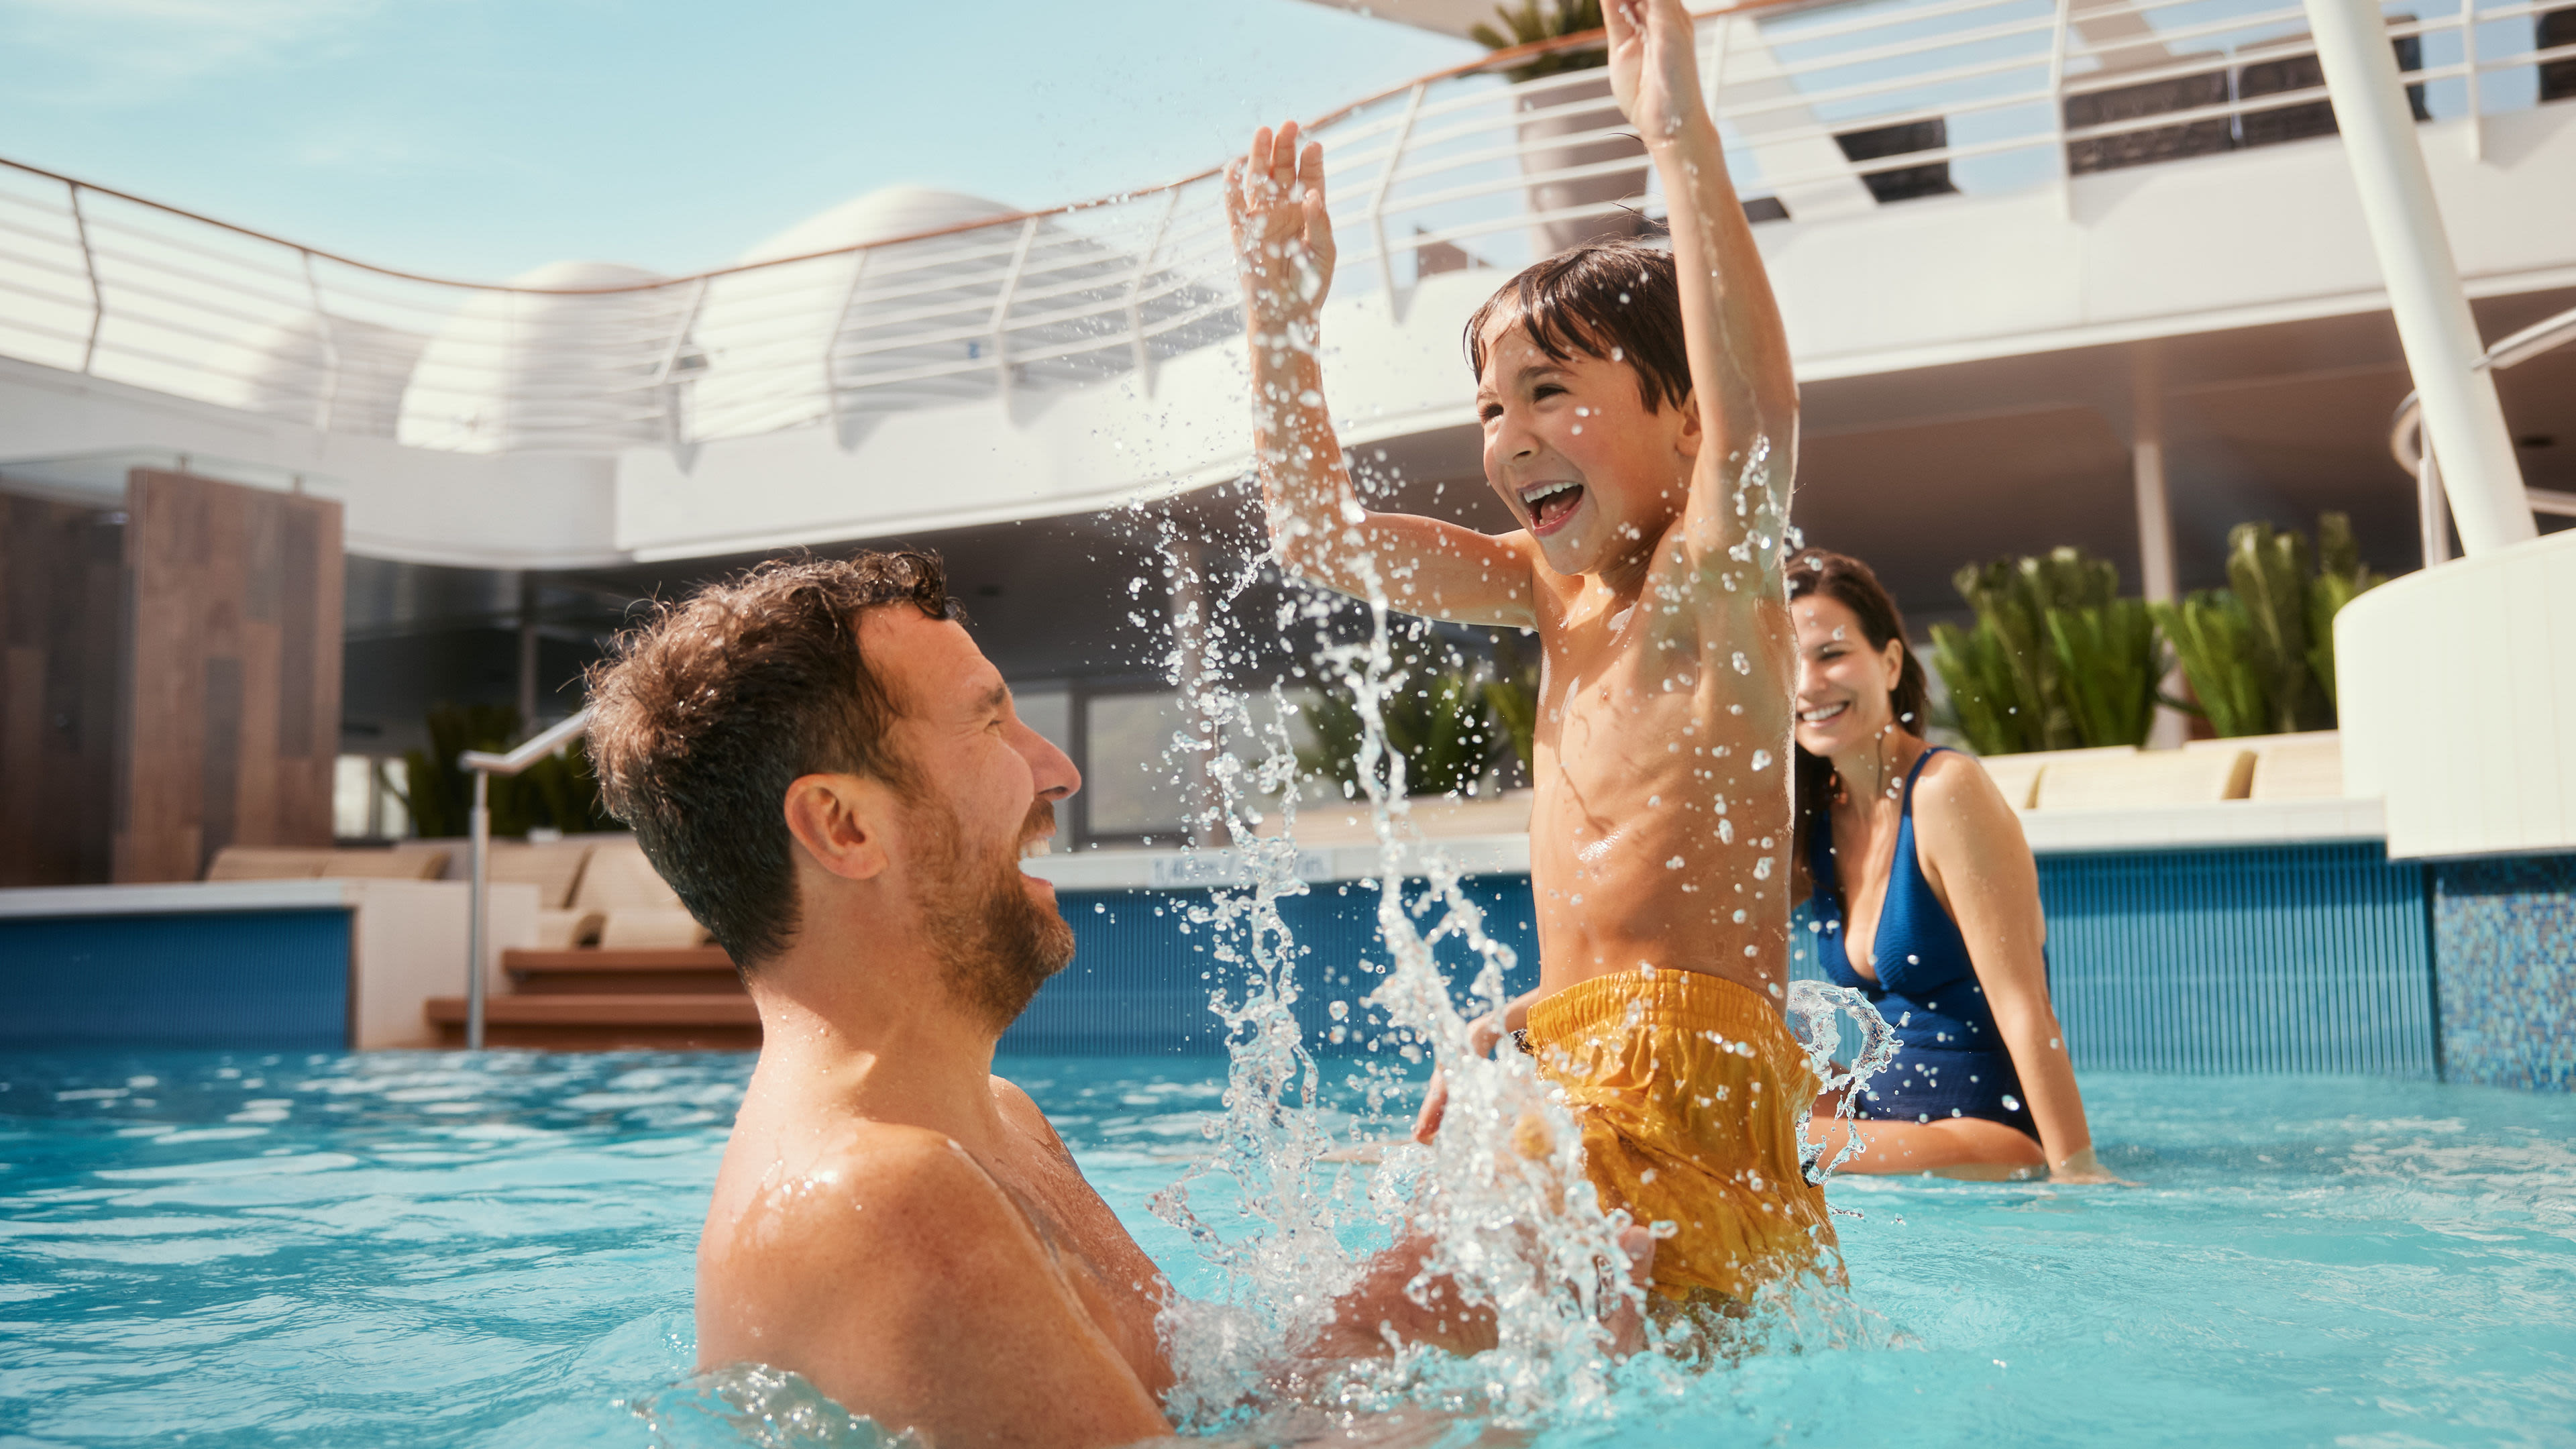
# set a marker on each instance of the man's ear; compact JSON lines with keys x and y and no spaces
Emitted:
{"x":1694,"y":429}
{"x":841,"y":821}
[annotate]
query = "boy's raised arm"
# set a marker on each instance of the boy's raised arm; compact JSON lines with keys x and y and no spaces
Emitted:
{"x":1318,"y":527}
{"x":1739,"y":353}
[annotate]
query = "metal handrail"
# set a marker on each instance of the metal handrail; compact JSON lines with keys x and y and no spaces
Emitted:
{"x":485,"y":765}
{"x":99,"y":280}
{"x":2406,"y":436}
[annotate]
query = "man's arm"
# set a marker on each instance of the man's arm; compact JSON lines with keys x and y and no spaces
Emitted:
{"x":1741,"y":380}
{"x":908,"y":1287}
{"x":1284,"y":245}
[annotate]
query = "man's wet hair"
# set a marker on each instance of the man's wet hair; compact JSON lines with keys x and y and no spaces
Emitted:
{"x":1620,"y":301}
{"x":703,"y":716}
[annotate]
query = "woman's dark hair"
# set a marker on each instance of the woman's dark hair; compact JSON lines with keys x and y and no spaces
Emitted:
{"x":1848,"y":581}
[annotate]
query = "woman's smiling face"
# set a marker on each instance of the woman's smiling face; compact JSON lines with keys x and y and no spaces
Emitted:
{"x":1844,"y":684}
{"x":1573,"y":450}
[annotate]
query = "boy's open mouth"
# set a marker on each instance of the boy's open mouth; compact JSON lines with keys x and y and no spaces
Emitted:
{"x":1550,"y":504}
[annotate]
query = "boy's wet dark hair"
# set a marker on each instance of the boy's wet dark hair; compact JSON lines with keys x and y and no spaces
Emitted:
{"x":702,"y":717}
{"x":1620,"y":301}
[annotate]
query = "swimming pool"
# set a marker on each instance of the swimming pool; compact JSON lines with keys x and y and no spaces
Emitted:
{"x":428,"y":1249}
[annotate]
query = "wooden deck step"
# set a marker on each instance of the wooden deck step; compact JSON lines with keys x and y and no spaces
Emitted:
{"x":596,"y":972}
{"x":605,"y":1021}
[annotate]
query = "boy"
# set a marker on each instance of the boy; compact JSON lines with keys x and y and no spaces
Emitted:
{"x":1640,"y":420}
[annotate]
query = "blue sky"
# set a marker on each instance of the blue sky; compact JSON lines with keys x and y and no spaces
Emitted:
{"x":478,"y":138}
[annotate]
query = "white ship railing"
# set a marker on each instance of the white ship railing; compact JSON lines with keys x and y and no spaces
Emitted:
{"x":2406,"y":438}
{"x":1827,"y":109}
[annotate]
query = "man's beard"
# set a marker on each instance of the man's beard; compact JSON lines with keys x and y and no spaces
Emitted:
{"x":996,"y":946}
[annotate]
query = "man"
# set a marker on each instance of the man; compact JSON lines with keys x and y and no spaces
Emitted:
{"x":831,"y":776}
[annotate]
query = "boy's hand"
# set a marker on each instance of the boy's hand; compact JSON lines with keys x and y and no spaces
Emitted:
{"x":1654,"y":66}
{"x":1483,"y":1035}
{"x":1283,"y":237}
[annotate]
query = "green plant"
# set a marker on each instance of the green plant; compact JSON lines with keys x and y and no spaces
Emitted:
{"x":1513,"y":695}
{"x":2108,"y":663}
{"x":1440,"y":721}
{"x":2341,"y":578}
{"x":2214,"y":639}
{"x":1537,"y":20}
{"x":558,"y":791}
{"x":2057,"y":658}
{"x":1984,"y":692}
{"x":2269,"y":571}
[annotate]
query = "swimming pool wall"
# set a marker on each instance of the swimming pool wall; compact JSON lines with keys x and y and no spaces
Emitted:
{"x":2506,"y":934}
{"x":2315,"y":958}
{"x":2322,"y":958}
{"x":276,"y":980}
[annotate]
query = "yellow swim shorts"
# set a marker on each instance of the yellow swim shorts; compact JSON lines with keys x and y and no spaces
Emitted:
{"x":1688,"y":1089}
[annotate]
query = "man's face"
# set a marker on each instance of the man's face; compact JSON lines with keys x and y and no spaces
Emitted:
{"x":1573,"y":450}
{"x":987,"y":788}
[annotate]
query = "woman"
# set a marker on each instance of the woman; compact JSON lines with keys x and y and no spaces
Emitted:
{"x":1925,"y":900}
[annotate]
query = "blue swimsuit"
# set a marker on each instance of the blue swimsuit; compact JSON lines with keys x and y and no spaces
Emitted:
{"x":1950,"y":1059}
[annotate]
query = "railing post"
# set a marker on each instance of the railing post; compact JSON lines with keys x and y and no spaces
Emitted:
{"x":662,"y":372}
{"x":1001,"y":323}
{"x":2057,"y":109}
{"x":1143,"y":360}
{"x":2432,"y":511}
{"x":2469,"y":62}
{"x":478,"y":857}
{"x":330,"y":342}
{"x":1377,"y":196}
{"x":832,"y":339}
{"x":89,"y":264}
{"x":1712,"y":78}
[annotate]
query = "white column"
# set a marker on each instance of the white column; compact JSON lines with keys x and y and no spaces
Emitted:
{"x":2155,"y":521}
{"x":2463,"y":421}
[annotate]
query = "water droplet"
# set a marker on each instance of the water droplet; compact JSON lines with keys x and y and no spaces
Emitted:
{"x":2011,"y":1102}
{"x":1761,"y":759}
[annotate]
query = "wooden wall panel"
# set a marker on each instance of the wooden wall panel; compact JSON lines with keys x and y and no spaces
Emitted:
{"x":233,"y":677}
{"x":60,"y":652}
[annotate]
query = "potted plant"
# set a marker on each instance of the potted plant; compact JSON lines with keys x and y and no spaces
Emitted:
{"x":1583,"y":104}
{"x":2057,"y":659}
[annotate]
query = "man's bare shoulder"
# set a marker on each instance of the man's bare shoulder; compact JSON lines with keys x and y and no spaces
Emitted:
{"x":871,"y":1193}
{"x":895,"y":1274}
{"x":1022,"y":1111}
{"x":868,"y":1230}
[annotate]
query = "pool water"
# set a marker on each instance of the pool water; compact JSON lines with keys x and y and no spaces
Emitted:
{"x":429,"y":1249}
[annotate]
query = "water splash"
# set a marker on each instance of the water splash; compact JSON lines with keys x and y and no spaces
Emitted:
{"x":1815,"y":1011}
{"x":1508,"y":1156}
{"x":757,"y":1405}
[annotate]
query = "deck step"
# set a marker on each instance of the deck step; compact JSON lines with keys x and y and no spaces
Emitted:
{"x":605,"y":1021}
{"x":597,"y":972}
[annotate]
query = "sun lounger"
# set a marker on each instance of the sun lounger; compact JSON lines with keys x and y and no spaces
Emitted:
{"x":2305,"y":766}
{"x":2017,"y":776}
{"x":2145,"y":779}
